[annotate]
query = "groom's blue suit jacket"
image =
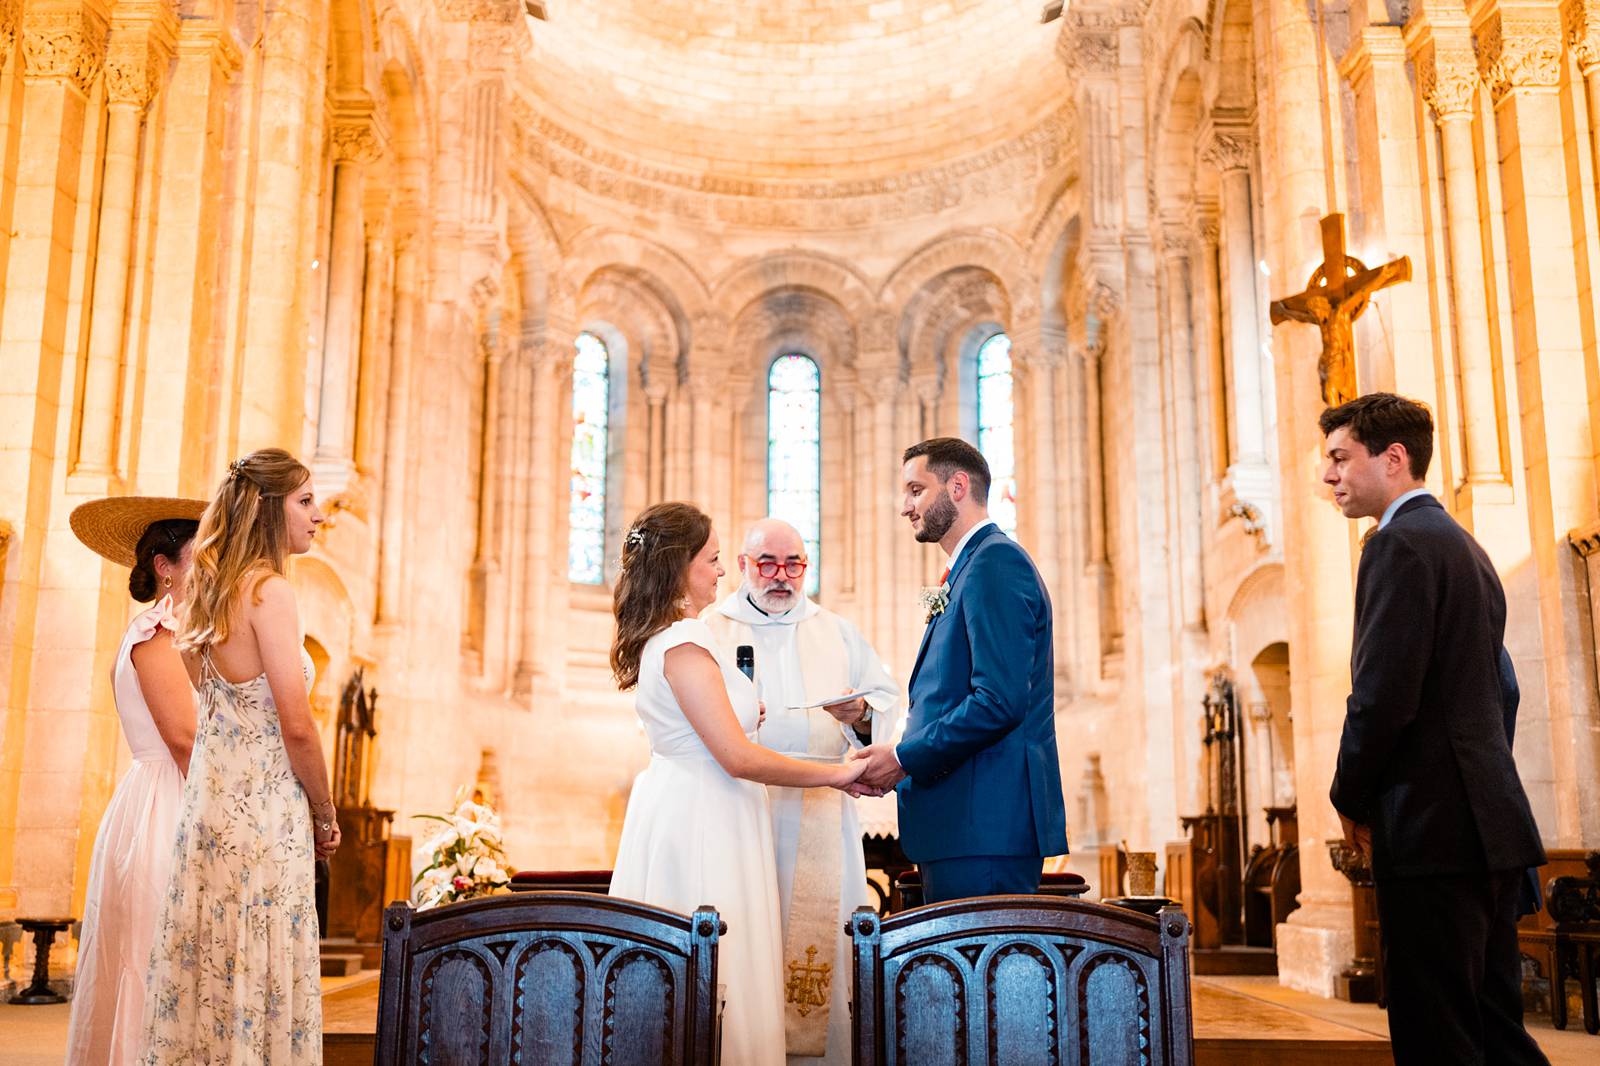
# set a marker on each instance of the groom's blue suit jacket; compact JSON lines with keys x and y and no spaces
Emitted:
{"x":980,"y":742}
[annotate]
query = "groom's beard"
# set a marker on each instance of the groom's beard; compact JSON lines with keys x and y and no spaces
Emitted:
{"x":937,"y":519}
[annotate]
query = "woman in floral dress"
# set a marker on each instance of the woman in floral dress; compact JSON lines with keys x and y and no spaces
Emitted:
{"x":234,"y":975}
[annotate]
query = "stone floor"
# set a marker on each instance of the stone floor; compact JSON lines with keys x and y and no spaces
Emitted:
{"x":1239,"y":1021}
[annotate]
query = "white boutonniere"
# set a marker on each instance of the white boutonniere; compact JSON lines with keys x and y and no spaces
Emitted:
{"x":934,"y":599}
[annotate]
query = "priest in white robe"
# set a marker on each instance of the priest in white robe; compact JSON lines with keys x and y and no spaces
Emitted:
{"x":805,"y":654}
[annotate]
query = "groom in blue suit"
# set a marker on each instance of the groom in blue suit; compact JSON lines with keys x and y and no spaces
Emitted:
{"x":977,"y":774}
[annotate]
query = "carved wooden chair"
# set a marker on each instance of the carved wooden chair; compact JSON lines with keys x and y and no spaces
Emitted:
{"x":1021,"y":981}
{"x":548,"y":979}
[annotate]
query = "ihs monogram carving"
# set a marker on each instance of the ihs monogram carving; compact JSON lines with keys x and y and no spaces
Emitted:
{"x":63,"y":44}
{"x":1519,"y":54}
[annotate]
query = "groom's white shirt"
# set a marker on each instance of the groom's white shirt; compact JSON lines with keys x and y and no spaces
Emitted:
{"x":962,"y":543}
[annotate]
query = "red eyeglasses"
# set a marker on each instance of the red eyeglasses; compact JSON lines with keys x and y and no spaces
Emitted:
{"x":769,"y":567}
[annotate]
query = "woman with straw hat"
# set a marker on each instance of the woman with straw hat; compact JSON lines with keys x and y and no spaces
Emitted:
{"x":235,"y":976}
{"x":132,"y":862}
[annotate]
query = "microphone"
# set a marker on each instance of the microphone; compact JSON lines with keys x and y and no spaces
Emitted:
{"x":744,"y":657}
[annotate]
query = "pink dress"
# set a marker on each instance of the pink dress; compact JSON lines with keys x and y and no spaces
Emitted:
{"x":128,"y":874}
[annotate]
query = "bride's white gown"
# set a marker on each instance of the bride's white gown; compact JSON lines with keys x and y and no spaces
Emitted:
{"x":694,"y":835}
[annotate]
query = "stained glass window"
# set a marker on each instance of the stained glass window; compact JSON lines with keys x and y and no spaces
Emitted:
{"x":591,"y":401}
{"x":794,"y":453}
{"x":995,"y":437}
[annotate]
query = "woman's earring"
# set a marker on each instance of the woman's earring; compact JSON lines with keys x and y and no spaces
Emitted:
{"x":167,"y":583}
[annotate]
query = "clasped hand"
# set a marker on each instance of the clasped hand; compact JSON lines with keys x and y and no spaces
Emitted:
{"x":882,"y":772}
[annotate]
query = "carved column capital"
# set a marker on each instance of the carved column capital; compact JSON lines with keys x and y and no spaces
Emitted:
{"x":1449,"y":80}
{"x":1104,"y":301}
{"x":64,"y":45}
{"x":1229,"y":149}
{"x":10,"y":16}
{"x":1206,"y":221}
{"x":1519,"y":49}
{"x":1580,"y":21}
{"x":143,"y":38}
{"x":355,"y":138}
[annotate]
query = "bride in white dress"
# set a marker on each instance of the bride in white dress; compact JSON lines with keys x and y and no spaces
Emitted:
{"x":697,"y":829}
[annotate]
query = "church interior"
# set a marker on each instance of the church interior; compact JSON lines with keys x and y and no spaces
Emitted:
{"x":505,"y":273}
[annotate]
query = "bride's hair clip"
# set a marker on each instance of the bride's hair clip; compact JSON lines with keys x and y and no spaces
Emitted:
{"x":236,"y":469}
{"x":635,"y":538}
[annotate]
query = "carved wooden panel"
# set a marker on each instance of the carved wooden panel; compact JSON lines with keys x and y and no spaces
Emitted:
{"x":547,"y":979}
{"x":1022,"y":981}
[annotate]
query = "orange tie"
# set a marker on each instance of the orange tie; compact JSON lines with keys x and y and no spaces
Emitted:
{"x":944,"y":578}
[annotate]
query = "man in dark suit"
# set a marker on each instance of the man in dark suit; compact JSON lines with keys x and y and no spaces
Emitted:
{"x":978,"y":776}
{"x":1426,"y":783}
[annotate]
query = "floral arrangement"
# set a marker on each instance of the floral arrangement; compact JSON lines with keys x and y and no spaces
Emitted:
{"x":466,"y":858}
{"x":934,"y":599}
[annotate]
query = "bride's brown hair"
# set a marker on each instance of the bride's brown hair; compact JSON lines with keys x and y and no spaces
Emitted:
{"x":649,"y":592}
{"x":242,"y":541}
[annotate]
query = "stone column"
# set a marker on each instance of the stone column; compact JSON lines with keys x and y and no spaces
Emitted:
{"x":1520,"y":57}
{"x":1581,"y":21}
{"x":355,"y":144}
{"x":47,"y":726}
{"x":1442,"y":51}
{"x":1185,"y":452}
{"x":656,"y":443}
{"x":373,"y":344}
{"x":396,"y":449}
{"x":539,"y":571}
{"x":142,"y":40}
{"x":1318,"y":544}
{"x":1208,"y":341}
{"x":1231,"y":152}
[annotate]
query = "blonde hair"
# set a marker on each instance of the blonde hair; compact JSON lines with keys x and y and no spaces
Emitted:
{"x":242,"y":541}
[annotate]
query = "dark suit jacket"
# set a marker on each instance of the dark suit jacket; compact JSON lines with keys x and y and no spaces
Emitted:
{"x":1424,"y":759}
{"x":980,"y":742}
{"x":1531,"y":898}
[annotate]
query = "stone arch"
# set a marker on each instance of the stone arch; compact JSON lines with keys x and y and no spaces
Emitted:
{"x":988,"y":249}
{"x":328,"y":616}
{"x":352,"y":36}
{"x":753,"y":279}
{"x":1230,"y":76}
{"x":636,"y":308}
{"x":1258,"y":611}
{"x":1257,"y":616}
{"x":1179,"y":109}
{"x":677,"y":283}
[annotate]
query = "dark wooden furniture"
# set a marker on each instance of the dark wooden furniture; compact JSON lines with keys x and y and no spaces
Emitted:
{"x":1272,"y":879}
{"x":561,"y":881}
{"x":1021,"y":980}
{"x":554,"y":978}
{"x":1361,"y":981}
{"x":1573,"y":904}
{"x":44,"y":932}
{"x":907,"y":888}
{"x":1536,"y":932}
{"x":373,"y":865}
{"x":883,"y":853}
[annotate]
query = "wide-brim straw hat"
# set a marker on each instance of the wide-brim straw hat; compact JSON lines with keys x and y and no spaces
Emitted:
{"x":112,"y":527}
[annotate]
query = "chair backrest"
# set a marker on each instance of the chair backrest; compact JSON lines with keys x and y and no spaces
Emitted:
{"x":547,"y":978}
{"x":1022,"y":981}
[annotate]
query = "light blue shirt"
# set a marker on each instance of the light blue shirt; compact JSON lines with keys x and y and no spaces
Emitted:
{"x":1399,"y":501}
{"x":962,"y":543}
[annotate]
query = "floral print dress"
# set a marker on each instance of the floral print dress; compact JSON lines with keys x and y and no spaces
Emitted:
{"x":235,"y":970}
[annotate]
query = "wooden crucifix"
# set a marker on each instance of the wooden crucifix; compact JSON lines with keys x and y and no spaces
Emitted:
{"x":1334,"y":298}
